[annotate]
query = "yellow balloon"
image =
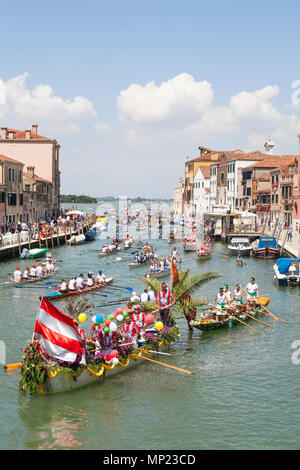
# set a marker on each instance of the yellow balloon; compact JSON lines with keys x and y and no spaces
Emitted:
{"x":82,"y":317}
{"x":159,"y":325}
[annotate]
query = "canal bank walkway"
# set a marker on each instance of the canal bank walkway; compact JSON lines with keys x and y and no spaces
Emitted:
{"x":292,"y":247}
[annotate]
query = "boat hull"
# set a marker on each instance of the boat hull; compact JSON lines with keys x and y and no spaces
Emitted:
{"x":56,"y":295}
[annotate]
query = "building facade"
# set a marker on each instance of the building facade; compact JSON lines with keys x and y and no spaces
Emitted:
{"x":11,"y":187}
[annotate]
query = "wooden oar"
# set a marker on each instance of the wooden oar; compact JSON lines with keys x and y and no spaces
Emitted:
{"x":270,"y":314}
{"x":225,"y":257}
{"x":12,"y":366}
{"x":251,"y":327}
{"x":256,"y":319}
{"x":150,"y":351}
{"x":163,"y":364}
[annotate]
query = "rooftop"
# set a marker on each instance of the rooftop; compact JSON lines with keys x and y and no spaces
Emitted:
{"x":4,"y":158}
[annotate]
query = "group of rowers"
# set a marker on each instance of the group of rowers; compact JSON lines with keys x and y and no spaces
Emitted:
{"x":226,"y":299}
{"x":77,"y":283}
{"x":205,"y":246}
{"x":148,"y":255}
{"x":36,"y":271}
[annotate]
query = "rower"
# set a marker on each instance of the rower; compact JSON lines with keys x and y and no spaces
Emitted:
{"x":221,"y":301}
{"x":134,"y":297}
{"x":145,"y":296}
{"x":90,"y":280}
{"x":107,"y":340}
{"x":26,"y":273}
{"x":227,"y":293}
{"x":33,"y":271}
{"x":79,"y":282}
{"x":63,"y":287}
{"x":17,"y":275}
{"x":252,"y":293}
{"x":130,"y":330}
{"x":101,"y":278}
{"x":239,"y":258}
{"x":39,"y":270}
{"x":72,"y":284}
{"x":237,"y":295}
{"x":138,"y":316}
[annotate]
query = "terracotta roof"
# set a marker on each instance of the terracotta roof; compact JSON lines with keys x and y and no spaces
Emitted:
{"x":36,"y":177}
{"x":20,"y":135}
{"x":272,"y":161}
{"x":8,"y":159}
{"x":205,"y":170}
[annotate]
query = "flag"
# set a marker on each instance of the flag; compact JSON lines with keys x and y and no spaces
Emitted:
{"x":57,"y":334}
{"x":175,"y":272}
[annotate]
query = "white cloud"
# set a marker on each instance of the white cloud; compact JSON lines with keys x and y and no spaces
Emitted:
{"x":179,"y":98}
{"x":41,"y":105}
{"x":102,"y":127}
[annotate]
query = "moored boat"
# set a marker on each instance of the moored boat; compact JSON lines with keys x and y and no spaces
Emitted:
{"x":240,"y":245}
{"x":265,"y":247}
{"x":33,"y":253}
{"x":76,"y":239}
{"x":91,"y":235}
{"x":287,"y":271}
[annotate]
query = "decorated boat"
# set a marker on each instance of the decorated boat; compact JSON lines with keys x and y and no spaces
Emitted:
{"x":56,"y":295}
{"x":287,"y":271}
{"x":189,"y":245}
{"x":265,"y":247}
{"x":64,"y":363}
{"x":207,"y":320}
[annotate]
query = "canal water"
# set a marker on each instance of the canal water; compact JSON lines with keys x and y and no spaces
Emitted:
{"x":244,"y":394}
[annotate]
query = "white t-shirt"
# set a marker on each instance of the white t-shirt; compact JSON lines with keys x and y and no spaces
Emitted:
{"x":63,"y":285}
{"x":33,"y":272}
{"x":151,"y":294}
{"x":89,"y":281}
{"x":39,"y":270}
{"x":79,"y":283}
{"x":100,"y":278}
{"x":228,"y":295}
{"x":252,"y":288}
{"x":26,"y":274}
{"x":144,"y":297}
{"x":17,"y":274}
{"x":134,"y":298}
{"x":72,"y":283}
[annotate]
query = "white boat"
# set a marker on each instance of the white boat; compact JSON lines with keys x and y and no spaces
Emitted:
{"x":240,"y":244}
{"x":76,"y":239}
{"x":284,"y":274}
{"x":158,"y":274}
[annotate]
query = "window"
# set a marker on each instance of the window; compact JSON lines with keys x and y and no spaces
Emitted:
{"x":12,"y":199}
{"x":9,"y":174}
{"x":21,"y":199}
{"x":13,"y":174}
{"x":248,"y":192}
{"x":2,"y":196}
{"x":272,"y":179}
{"x":276,"y":199}
{"x":277,"y":178}
{"x":20,"y":176}
{"x":272,"y":198}
{"x":27,"y":187}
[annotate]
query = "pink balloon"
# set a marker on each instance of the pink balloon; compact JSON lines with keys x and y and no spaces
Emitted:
{"x":119,"y":311}
{"x":149,"y":318}
{"x":107,"y":322}
{"x":114,"y":314}
{"x":114,"y":353}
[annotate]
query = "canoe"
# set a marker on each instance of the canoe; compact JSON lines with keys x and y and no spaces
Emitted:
{"x":26,"y":281}
{"x":159,"y":274}
{"x":56,"y":295}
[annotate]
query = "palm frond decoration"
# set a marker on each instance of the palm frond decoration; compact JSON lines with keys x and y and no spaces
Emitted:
{"x":77,"y":306}
{"x":151,"y":282}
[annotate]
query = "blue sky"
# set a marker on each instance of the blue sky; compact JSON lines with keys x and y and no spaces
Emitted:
{"x":95,"y":49}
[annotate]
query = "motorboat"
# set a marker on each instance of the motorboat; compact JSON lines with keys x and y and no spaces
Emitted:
{"x":287,"y":271}
{"x":265,"y":247}
{"x":240,"y":245}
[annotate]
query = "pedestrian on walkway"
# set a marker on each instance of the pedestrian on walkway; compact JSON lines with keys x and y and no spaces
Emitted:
{"x":290,"y":233}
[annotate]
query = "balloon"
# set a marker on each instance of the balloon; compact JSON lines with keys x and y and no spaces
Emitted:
{"x":149,"y":318}
{"x":106,"y":329}
{"x":107,"y":357}
{"x":107,"y":322}
{"x":113,"y":326}
{"x":81,"y":317}
{"x":114,"y":353}
{"x":115,"y":360}
{"x":110,"y":316}
{"x":159,"y":325}
{"x":94,"y":319}
{"x":119,"y":311}
{"x":125,"y":314}
{"x":120,"y":317}
{"x":99,"y":318}
{"x":115,"y":315}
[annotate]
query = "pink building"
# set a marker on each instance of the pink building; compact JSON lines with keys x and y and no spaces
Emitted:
{"x":33,"y":149}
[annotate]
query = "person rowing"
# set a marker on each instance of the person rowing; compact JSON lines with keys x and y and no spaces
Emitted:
{"x":239,"y":259}
{"x":227,"y":293}
{"x":49,"y":268}
{"x":237,"y":295}
{"x":33,"y":271}
{"x":221,"y":301}
{"x":63,"y":288}
{"x":79,"y":282}
{"x":100,"y":278}
{"x":25,"y":274}
{"x":39,"y":270}
{"x":72,"y":284}
{"x":90,"y":279}
{"x":252,"y":293}
{"x":17,"y":275}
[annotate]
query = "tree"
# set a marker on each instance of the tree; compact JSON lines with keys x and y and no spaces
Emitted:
{"x":184,"y":289}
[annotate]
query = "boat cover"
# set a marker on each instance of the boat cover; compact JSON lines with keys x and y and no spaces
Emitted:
{"x":267,"y":241}
{"x":284,"y":264}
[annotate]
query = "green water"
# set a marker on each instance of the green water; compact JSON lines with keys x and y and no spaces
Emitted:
{"x":244,"y":394}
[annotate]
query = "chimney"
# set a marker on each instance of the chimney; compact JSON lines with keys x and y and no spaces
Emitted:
{"x":3,"y":132}
{"x":34,"y":129}
{"x":11,"y":135}
{"x":28,"y":134}
{"x":30,"y":171}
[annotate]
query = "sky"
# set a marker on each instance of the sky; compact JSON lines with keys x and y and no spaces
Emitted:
{"x":131,"y":88}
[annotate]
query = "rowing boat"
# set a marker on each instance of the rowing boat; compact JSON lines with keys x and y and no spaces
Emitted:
{"x":158,"y":274}
{"x":207,"y":320}
{"x":56,"y":295}
{"x":101,"y":255}
{"x":35,"y":279}
{"x":204,"y":254}
{"x":138,"y":265}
